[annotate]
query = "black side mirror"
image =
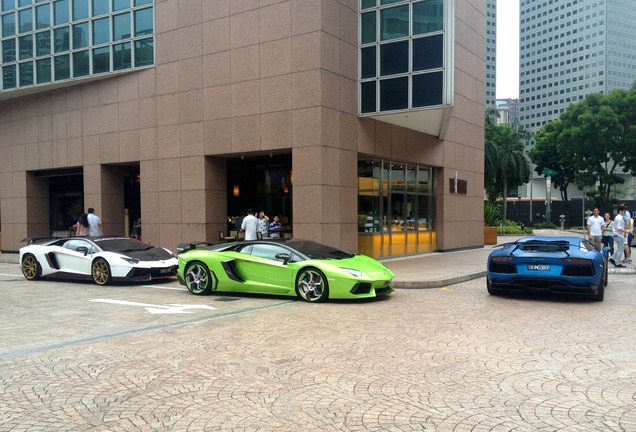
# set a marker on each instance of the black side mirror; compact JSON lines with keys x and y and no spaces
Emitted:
{"x":82,"y":249}
{"x":285,"y":257}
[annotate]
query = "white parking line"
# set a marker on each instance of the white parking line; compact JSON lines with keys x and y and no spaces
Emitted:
{"x":11,"y":275}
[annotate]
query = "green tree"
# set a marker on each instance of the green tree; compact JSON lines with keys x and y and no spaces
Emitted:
{"x":598,"y":134}
{"x":550,"y":152}
{"x":506,"y":166}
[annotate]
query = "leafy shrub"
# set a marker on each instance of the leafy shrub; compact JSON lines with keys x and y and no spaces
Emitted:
{"x":514,"y":229}
{"x":544,"y":225}
{"x":493,"y":214}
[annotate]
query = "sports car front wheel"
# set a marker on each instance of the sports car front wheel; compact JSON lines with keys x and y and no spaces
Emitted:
{"x":198,"y":278}
{"x":312,"y":286}
{"x":100,"y":270}
{"x":31,"y":267}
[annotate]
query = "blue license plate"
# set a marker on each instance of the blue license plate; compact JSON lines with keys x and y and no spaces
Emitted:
{"x":543,"y":267}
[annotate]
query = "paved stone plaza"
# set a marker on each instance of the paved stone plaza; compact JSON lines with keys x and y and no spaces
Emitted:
{"x":77,"y":357}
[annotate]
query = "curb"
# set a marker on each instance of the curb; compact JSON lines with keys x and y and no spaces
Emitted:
{"x":439,"y":283}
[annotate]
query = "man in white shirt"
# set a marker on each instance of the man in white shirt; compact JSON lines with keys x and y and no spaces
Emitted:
{"x":249,"y":225}
{"x":94,"y":223}
{"x":618,"y":231}
{"x":595,"y":229}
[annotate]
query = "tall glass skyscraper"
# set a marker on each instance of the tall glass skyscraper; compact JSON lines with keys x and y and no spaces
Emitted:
{"x":570,"y":48}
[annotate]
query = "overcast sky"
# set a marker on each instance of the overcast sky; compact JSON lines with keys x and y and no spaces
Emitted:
{"x":507,"y":49}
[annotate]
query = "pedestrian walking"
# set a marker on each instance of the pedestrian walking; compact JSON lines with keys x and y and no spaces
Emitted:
{"x":94,"y":223}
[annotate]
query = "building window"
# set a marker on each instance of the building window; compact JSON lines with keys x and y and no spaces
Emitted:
{"x":45,"y":41}
{"x":414,"y":62}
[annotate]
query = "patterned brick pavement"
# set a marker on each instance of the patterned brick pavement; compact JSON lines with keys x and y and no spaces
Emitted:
{"x":449,"y":359}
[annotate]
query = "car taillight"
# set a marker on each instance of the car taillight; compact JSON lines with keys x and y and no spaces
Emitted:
{"x":502,"y":259}
{"x":577,"y":261}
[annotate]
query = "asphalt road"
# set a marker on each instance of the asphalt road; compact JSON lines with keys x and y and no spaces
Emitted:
{"x":78,"y":357}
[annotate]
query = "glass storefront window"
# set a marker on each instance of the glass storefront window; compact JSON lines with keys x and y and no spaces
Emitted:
{"x":142,"y":2}
{"x":395,"y":208}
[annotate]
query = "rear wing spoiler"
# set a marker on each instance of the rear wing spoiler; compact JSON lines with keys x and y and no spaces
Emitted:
{"x":184,"y":247}
{"x":557,"y":244}
{"x":31,"y":240}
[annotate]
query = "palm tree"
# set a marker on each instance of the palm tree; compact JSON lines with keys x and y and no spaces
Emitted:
{"x":506,"y":165}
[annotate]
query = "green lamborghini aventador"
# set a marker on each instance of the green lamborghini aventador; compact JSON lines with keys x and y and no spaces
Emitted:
{"x":312,"y":271}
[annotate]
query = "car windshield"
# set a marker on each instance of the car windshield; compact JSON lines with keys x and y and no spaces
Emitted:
{"x":122,"y":245}
{"x":315,"y":250}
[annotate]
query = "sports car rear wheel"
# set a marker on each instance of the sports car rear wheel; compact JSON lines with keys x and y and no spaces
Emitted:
{"x":31,"y":267}
{"x":312,"y":286}
{"x":198,"y":278}
{"x":101,"y":272}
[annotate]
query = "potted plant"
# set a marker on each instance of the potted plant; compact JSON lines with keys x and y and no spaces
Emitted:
{"x":492,"y":217}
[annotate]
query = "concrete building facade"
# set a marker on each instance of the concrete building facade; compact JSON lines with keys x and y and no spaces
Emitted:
{"x":214,"y":106}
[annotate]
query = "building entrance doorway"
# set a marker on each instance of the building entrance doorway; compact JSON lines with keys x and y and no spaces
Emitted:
{"x":66,"y":198}
{"x":261,"y":183}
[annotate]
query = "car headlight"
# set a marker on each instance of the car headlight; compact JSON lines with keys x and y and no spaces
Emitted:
{"x":130,"y":260}
{"x":356,"y":273}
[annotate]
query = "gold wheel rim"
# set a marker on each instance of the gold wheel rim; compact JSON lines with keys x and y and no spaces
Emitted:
{"x":29,"y":267}
{"x":100,"y":272}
